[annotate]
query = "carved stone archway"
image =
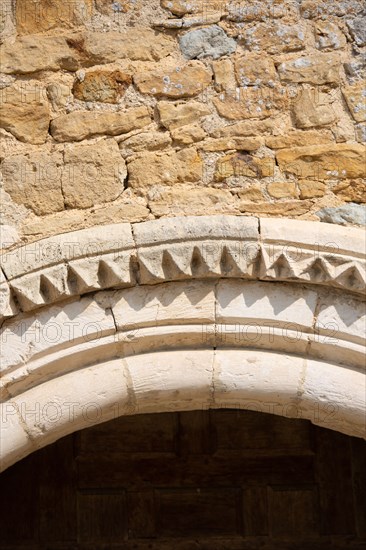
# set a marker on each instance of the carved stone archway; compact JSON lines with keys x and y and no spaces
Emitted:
{"x":182,"y":314}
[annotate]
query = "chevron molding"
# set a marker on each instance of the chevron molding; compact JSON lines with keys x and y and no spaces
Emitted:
{"x":170,"y":249}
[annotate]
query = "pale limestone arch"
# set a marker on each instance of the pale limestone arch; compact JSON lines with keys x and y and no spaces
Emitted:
{"x":182,"y":314}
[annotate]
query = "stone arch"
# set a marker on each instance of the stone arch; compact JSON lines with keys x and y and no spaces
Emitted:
{"x":182,"y":314}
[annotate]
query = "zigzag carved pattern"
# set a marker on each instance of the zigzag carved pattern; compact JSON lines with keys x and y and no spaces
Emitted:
{"x":180,"y":261}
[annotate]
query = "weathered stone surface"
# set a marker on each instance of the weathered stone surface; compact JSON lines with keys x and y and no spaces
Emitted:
{"x":357,"y":28}
{"x":173,"y":115}
{"x":112,"y":8}
{"x":181,"y":7}
{"x":40,"y":53}
{"x":252,"y":192}
{"x":324,"y":162}
{"x":42,"y":15}
{"x":58,"y":94}
{"x":145,"y":141}
{"x":251,"y":103}
{"x":226,"y":143}
{"x":309,"y":111}
{"x":342,"y":215}
{"x":35,"y":181}
{"x":102,"y":86}
{"x":310,"y":189}
{"x":137,"y":44}
{"x":275,"y":38}
{"x":24,"y":112}
{"x":185,"y":201}
{"x":79,"y":125}
{"x":282,"y":189}
{"x":243,"y":165}
{"x":186,"y":135}
{"x":320,"y":68}
{"x":299,"y":138}
{"x":208,"y":42}
{"x":182,"y":81}
{"x":246,"y":128}
{"x":92,"y":174}
{"x":312,"y":9}
{"x":286,"y":208}
{"x":329,"y":36}
{"x":32,"y":53}
{"x":360,"y":133}
{"x":121,"y":212}
{"x":355,"y":97}
{"x":351,"y":191}
{"x":254,"y":69}
{"x":166,"y":168}
{"x":224,"y":75}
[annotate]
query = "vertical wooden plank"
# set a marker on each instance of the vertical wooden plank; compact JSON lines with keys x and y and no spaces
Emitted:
{"x":57,"y":513}
{"x":293,"y":511}
{"x":195,"y":433}
{"x":255,"y":511}
{"x":358,"y":447}
{"x":102,"y":517}
{"x":334,"y":476}
{"x":141,"y":514}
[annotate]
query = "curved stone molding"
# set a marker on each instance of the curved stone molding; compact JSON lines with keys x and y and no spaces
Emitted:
{"x":170,"y":249}
{"x":181,"y":381}
{"x":180,"y":314}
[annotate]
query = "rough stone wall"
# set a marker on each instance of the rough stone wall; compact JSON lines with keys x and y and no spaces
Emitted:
{"x":133,"y":110}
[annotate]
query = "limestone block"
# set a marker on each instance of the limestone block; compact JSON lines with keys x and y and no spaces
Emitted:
{"x":103,"y":86}
{"x":92,"y":174}
{"x":24,"y":112}
{"x":184,"y":201}
{"x":35,"y":181}
{"x":283,"y":209}
{"x":174,"y":115}
{"x":360,"y":131}
{"x":310,"y":111}
{"x":341,"y":215}
{"x":324,"y":162}
{"x":187,"y":135}
{"x":355,"y":96}
{"x":251,"y":102}
{"x":79,"y":125}
{"x":74,"y":401}
{"x":282,"y":189}
{"x":243,"y":165}
{"x":175,"y":82}
{"x":247,"y":128}
{"x":169,"y":303}
{"x":137,"y":44}
{"x":351,"y":191}
{"x":33,"y":53}
{"x":224,"y":75}
{"x":167,"y":168}
{"x":312,"y":9}
{"x":15,"y":441}
{"x":55,"y":328}
{"x":144,"y":141}
{"x":231,"y":248}
{"x":320,"y":68}
{"x":265,"y":304}
{"x":299,"y":138}
{"x":226,"y":143}
{"x":40,"y":16}
{"x":255,"y":69}
{"x":207,"y":42}
{"x":181,"y":7}
{"x":180,"y":382}
{"x":115,"y":238}
{"x":329,"y":36}
{"x":344,"y":317}
{"x":275,"y":38}
{"x":310,"y":189}
{"x":357,"y":29}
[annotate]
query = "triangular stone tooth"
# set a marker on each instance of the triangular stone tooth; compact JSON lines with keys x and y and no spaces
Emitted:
{"x":232,"y":263}
{"x":283,"y":268}
{"x":83,"y":276}
{"x":318,"y":271}
{"x":199,"y":266}
{"x":27,"y":292}
{"x":176,"y":263}
{"x":53,"y":283}
{"x":114,"y":272}
{"x":264,"y":263}
{"x":150,"y":265}
{"x":352,"y":276}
